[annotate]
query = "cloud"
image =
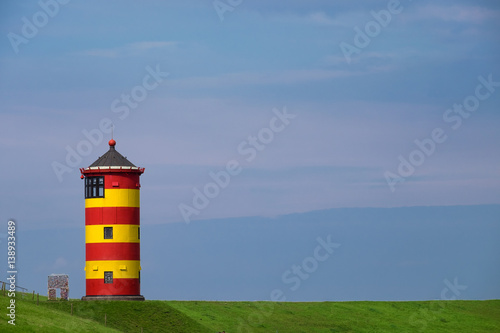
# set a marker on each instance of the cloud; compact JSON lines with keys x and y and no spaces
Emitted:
{"x":368,"y":61}
{"x":321,"y":18}
{"x":104,"y":53}
{"x":137,"y":48}
{"x":269,"y":78}
{"x":150,"y":45}
{"x":60,"y":263}
{"x":463,"y":14}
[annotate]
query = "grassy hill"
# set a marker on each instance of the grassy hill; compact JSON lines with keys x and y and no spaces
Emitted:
{"x":245,"y":317}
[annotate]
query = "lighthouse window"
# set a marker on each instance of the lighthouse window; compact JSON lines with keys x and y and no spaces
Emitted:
{"x":108,"y":232}
{"x":108,"y":277}
{"x":94,"y":187}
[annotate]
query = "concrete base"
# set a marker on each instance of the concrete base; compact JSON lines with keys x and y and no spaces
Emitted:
{"x":114,"y":298}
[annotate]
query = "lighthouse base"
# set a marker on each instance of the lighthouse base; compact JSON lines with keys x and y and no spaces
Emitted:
{"x":114,"y":298}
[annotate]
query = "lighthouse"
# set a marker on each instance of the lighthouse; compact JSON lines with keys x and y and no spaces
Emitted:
{"x":112,"y":228}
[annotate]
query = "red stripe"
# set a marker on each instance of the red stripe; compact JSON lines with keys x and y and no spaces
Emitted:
{"x":112,"y":251}
{"x":130,"y":181}
{"x":112,"y":215}
{"x":97,"y":287}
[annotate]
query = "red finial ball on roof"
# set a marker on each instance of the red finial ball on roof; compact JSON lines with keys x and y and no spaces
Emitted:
{"x":112,"y":143}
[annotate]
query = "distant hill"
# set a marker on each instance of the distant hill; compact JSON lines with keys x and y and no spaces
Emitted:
{"x":384,"y":254}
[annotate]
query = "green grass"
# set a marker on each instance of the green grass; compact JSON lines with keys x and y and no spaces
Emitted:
{"x":431,"y":316}
{"x":246,"y":317}
{"x":41,"y":319}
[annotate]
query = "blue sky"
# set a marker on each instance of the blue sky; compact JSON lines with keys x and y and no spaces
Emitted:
{"x":225,"y":77}
{"x":355,"y":117}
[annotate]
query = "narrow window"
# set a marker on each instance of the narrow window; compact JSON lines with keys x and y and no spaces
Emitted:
{"x":108,"y":232}
{"x":139,"y":233}
{"x":94,"y":187}
{"x":108,"y":277}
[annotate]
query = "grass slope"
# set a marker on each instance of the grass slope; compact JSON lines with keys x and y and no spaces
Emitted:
{"x":430,"y":316}
{"x":40,"y":319}
{"x":246,"y":317}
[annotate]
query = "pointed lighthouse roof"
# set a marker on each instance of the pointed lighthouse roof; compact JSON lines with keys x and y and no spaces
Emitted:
{"x":111,"y":161}
{"x":112,"y":158}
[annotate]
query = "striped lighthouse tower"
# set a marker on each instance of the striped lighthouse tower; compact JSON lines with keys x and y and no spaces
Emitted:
{"x":112,"y":228}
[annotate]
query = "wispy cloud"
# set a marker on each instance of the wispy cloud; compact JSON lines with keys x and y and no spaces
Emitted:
{"x":105,"y":53}
{"x":60,"y":263}
{"x":370,"y":60}
{"x":463,"y":14}
{"x":129,"y":49}
{"x":321,"y":18}
{"x":278,"y":77}
{"x":150,"y":45}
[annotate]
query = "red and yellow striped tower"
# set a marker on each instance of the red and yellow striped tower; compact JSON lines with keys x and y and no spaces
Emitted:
{"x":112,"y":228}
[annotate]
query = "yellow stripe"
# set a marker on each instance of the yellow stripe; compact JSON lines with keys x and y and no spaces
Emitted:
{"x":115,"y":198}
{"x":122,"y":269}
{"x":122,"y":233}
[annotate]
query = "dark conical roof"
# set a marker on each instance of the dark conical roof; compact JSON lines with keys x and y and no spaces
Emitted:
{"x":112,"y":158}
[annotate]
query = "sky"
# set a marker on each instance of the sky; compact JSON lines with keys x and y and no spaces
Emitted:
{"x":249,"y":108}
